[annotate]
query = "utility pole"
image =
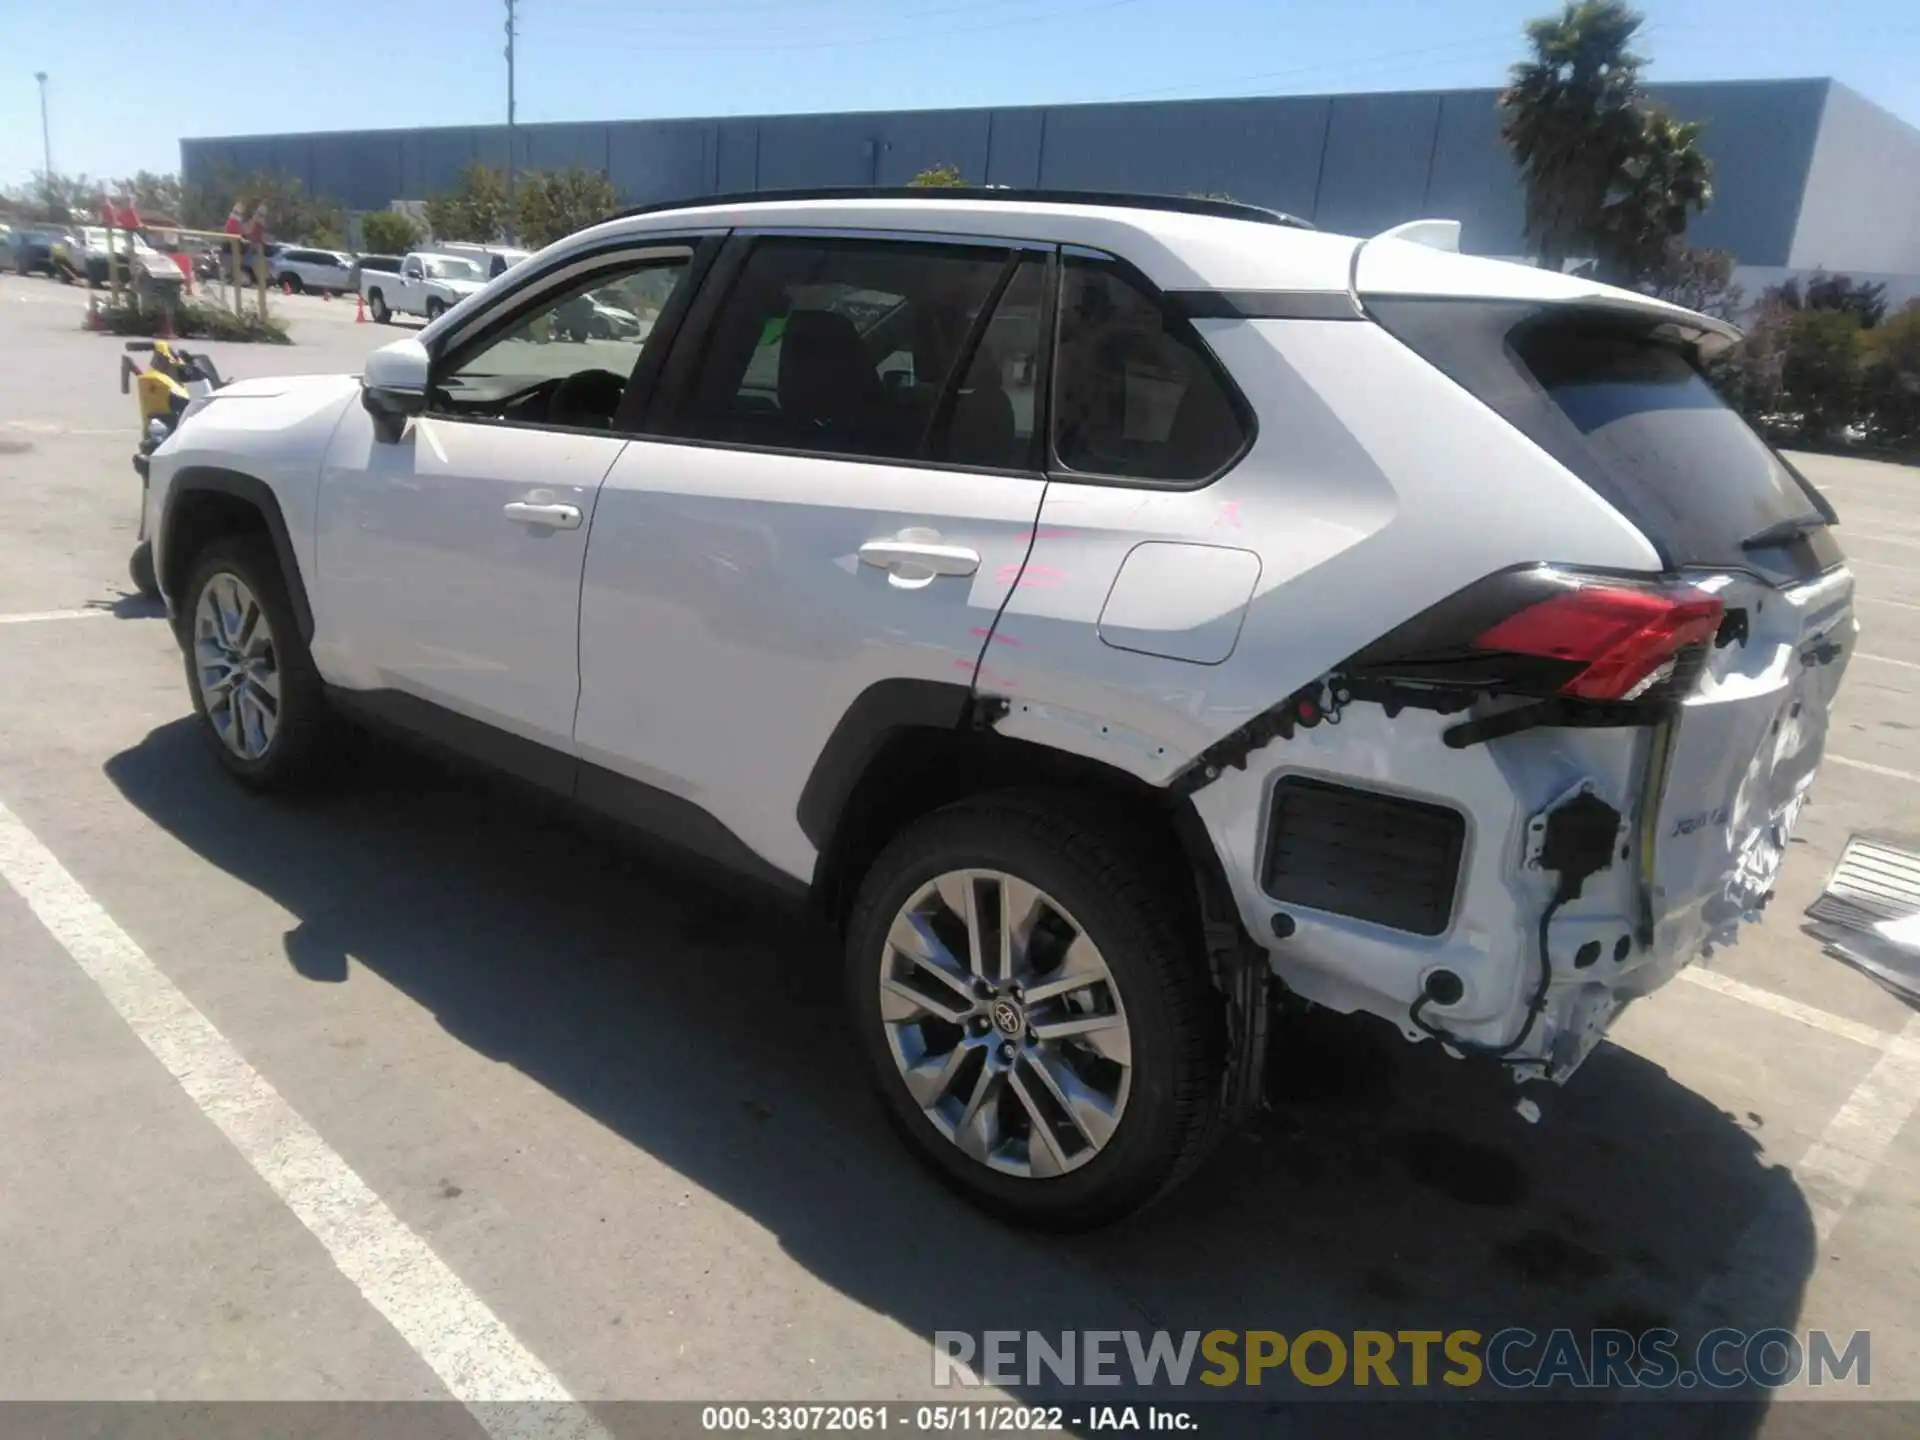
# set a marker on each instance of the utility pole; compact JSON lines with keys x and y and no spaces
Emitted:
{"x":46,"y":136}
{"x":510,"y":40}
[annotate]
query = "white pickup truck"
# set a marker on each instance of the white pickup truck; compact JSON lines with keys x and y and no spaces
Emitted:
{"x":426,"y":285}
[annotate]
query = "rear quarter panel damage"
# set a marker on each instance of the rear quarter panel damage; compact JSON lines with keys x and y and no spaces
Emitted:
{"x":1374,"y":489}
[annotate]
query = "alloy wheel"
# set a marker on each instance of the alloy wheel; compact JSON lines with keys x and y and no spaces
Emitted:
{"x":1005,"y":1023}
{"x":236,"y":665}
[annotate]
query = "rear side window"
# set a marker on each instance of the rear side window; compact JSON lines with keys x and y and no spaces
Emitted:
{"x":1623,"y":408}
{"x":1136,"y":396}
{"x":846,"y":347}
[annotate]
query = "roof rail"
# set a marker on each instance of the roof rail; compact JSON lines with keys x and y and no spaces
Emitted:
{"x":1182,"y":204}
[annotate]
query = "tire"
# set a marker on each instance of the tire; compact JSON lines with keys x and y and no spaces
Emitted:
{"x":140,"y":571}
{"x":304,"y":728}
{"x":1093,"y":874}
{"x":377,"y":303}
{"x":292,"y":282}
{"x":435,"y":309}
{"x":599,"y":329}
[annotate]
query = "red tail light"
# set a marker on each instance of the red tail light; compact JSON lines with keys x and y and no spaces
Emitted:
{"x":1622,"y":639}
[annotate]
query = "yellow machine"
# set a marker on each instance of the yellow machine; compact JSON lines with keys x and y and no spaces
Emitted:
{"x":169,"y":381}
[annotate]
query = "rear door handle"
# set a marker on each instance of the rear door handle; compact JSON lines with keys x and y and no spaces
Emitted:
{"x":919,"y":559}
{"x":553,"y":517}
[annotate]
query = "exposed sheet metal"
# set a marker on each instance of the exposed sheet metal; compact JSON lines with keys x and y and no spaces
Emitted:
{"x":1869,"y":913}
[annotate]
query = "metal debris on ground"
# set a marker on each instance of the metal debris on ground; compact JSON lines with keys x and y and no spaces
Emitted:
{"x":1869,"y":913}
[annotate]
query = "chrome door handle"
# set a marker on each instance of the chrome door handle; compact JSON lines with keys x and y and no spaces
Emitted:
{"x":554,"y":517}
{"x":919,"y":558}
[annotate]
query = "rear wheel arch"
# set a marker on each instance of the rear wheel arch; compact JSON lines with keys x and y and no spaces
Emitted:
{"x":206,"y":503}
{"x":906,"y":748}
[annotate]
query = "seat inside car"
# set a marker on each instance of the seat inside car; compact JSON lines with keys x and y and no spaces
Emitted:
{"x":828,"y":389}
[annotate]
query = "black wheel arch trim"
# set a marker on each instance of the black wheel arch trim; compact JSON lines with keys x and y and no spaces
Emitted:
{"x":875,"y":716}
{"x":202,"y":480}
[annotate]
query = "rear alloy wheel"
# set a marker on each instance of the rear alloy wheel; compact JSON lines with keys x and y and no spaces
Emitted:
{"x":253,"y":682}
{"x":435,"y":308}
{"x":1037,"y":1015}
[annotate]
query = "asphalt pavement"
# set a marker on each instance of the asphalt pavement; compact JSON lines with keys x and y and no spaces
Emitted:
{"x":415,"y":1091}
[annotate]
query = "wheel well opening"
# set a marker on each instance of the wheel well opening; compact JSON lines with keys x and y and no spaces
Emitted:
{"x":196,"y":519}
{"x":919,"y":769}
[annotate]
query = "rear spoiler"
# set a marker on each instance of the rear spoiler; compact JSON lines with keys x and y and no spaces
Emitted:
{"x":1422,"y":258}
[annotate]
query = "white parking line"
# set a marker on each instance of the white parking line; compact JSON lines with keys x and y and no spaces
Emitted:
{"x":1877,"y":600}
{"x":1854,"y":1030}
{"x":449,"y":1327}
{"x":1877,"y":538}
{"x":1872,"y":769}
{"x":34,"y":617}
{"x":1885,"y":660}
{"x":1842,"y":1160}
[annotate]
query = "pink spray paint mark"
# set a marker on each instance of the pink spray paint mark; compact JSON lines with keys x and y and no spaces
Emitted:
{"x":1229,"y":514}
{"x":1027,"y":537}
{"x":981,"y":632}
{"x":1043,"y":577}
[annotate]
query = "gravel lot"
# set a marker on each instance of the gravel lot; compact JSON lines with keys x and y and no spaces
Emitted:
{"x":618,"y":1111}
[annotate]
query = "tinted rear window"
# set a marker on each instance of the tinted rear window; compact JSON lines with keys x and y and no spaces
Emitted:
{"x":1623,"y":408}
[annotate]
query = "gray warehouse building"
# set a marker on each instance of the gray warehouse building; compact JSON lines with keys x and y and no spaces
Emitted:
{"x":1807,"y":172}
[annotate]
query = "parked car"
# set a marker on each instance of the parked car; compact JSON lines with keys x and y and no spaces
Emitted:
{"x":493,"y":260}
{"x":31,"y":250}
{"x":426,"y":285}
{"x":376,"y":264}
{"x":84,"y":255}
{"x":1114,"y":616}
{"x":322,"y":271}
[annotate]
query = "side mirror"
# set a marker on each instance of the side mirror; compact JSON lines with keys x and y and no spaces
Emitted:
{"x":393,"y":387}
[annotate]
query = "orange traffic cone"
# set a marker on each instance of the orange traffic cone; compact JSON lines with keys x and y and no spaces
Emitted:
{"x":359,"y":309}
{"x":286,"y":287}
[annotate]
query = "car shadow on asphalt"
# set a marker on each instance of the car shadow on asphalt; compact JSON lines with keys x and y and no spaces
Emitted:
{"x":1388,"y":1189}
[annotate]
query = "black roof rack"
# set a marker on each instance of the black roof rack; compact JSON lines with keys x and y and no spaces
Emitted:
{"x":1182,"y":204}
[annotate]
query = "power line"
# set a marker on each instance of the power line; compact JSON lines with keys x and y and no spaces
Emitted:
{"x":908,"y":38}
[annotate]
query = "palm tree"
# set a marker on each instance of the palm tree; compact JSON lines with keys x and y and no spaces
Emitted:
{"x":1662,"y":178}
{"x":1571,"y":115}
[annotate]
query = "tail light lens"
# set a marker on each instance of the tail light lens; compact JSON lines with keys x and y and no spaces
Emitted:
{"x":1625,"y":641}
{"x":1548,"y":631}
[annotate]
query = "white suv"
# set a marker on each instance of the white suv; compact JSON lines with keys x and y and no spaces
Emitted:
{"x":321,"y":271}
{"x":1119,"y":615}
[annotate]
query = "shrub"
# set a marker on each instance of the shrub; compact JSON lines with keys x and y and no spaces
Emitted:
{"x":192,"y":321}
{"x":1820,"y":372}
{"x":1891,"y":384}
{"x":939,"y":177}
{"x":388,"y":232}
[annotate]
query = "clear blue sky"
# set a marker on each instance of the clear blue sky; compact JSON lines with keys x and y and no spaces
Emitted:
{"x":123,"y":93}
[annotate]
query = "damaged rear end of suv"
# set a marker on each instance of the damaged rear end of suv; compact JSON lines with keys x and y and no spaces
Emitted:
{"x":1525,"y":662}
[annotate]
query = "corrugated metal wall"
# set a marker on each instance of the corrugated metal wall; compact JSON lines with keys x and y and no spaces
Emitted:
{"x":1353,"y":163}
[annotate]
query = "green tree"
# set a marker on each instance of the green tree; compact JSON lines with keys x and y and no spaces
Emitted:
{"x":59,"y":198}
{"x":1892,"y":379}
{"x":156,"y":197}
{"x":1820,"y":371}
{"x":474,"y":210}
{"x":551,"y":204}
{"x":1660,"y":180}
{"x":939,"y":177}
{"x":1606,"y":173}
{"x":292,"y":214}
{"x":388,"y":232}
{"x":1700,"y":280}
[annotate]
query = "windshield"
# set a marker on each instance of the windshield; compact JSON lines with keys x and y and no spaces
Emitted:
{"x":444,"y":267}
